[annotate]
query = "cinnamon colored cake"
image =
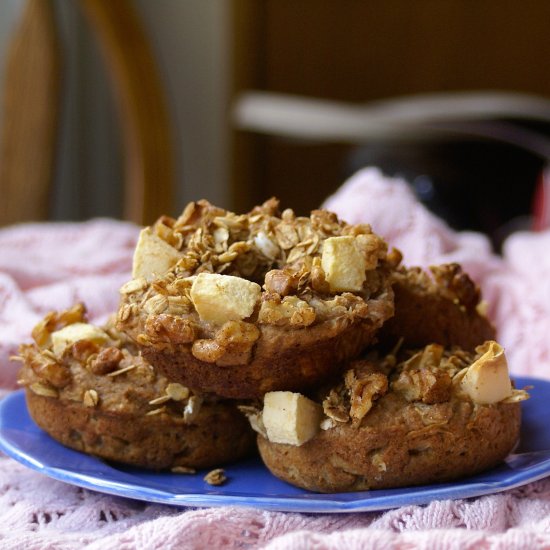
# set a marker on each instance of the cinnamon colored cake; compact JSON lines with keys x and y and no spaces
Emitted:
{"x":420,"y":417}
{"x":90,"y":389}
{"x":441,"y":305}
{"x":239,"y":305}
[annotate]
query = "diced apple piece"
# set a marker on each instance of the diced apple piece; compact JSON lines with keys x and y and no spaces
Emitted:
{"x":221,"y":298}
{"x":290,"y":417}
{"x":344,"y":264}
{"x":266,"y":246}
{"x":73,"y":333}
{"x":487,"y":380}
{"x":152,"y":256}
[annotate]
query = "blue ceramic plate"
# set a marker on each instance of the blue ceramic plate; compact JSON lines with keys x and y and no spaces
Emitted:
{"x":250,"y":484}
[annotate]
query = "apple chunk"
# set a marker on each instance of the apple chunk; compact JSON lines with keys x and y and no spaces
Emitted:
{"x":152,"y":256}
{"x":344,"y":264}
{"x":75,"y":332}
{"x":487,"y":380}
{"x":290,"y":417}
{"x":220,"y":298}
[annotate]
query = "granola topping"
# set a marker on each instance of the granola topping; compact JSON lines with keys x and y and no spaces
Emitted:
{"x":451,"y":281}
{"x":281,"y":252}
{"x":429,"y":379}
{"x":106,"y":361}
{"x":43,"y":389}
{"x":113,"y":370}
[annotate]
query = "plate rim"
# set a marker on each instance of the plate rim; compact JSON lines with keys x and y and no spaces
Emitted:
{"x":364,"y":501}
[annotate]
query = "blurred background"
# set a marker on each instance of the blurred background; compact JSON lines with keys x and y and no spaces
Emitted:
{"x":481,"y":167}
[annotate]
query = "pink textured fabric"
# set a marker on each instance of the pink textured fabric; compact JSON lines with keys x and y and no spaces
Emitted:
{"x":51,"y":266}
{"x":516,"y":285}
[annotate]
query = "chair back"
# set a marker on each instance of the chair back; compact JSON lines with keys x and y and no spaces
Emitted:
{"x":31,"y":107}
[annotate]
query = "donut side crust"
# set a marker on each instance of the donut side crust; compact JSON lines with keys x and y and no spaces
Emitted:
{"x":101,"y":397}
{"x":217,"y":436}
{"x":393,"y":447}
{"x":443,"y":311}
{"x":282,"y":359}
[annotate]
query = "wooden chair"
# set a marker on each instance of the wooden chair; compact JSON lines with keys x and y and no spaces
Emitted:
{"x":31,"y":111}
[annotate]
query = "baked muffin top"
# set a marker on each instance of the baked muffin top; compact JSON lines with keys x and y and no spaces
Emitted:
{"x":213,"y":278}
{"x":99,"y":367}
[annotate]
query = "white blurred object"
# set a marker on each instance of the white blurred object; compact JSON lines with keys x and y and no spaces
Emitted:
{"x":410,"y":116}
{"x":484,"y":115}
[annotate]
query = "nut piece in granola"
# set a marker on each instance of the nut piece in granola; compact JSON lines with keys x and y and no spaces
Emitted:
{"x":344,"y":264}
{"x":290,"y":417}
{"x":73,"y":333}
{"x":289,"y":311}
{"x":364,"y":389}
{"x":215,"y":477}
{"x":487,"y":380}
{"x":220,"y":298}
{"x":152,"y":256}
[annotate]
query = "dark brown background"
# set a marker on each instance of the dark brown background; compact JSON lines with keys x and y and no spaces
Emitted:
{"x":359,"y":50}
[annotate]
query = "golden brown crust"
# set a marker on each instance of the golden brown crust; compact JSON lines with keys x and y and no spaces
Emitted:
{"x":218,"y":435}
{"x":439,"y":308}
{"x":399,"y":421}
{"x":105,"y":399}
{"x":289,"y":360}
{"x":395,"y":450}
{"x":299,"y":333}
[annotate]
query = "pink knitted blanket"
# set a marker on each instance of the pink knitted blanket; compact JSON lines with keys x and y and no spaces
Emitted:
{"x":51,"y":266}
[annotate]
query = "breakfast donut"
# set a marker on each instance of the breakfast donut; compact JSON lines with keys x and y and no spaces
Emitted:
{"x":427,"y":416}
{"x":442,"y":305}
{"x":89,"y":389}
{"x":240,"y":305}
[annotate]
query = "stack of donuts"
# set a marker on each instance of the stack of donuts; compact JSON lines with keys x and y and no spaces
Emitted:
{"x":305,"y":335}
